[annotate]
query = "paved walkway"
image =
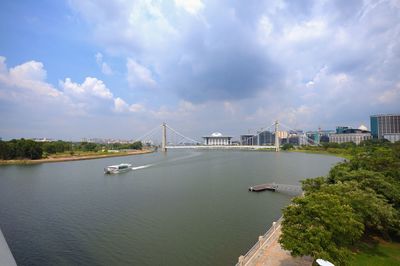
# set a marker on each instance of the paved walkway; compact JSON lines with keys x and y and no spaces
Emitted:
{"x":272,"y":254}
{"x":6,"y":258}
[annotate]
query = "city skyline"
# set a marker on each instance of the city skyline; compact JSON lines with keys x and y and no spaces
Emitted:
{"x":73,"y":69}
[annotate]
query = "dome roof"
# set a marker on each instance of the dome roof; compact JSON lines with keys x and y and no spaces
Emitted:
{"x":362,"y":127}
{"x":216,"y":134}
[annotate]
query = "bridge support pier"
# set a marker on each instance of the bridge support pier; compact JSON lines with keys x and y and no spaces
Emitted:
{"x":276,"y":136}
{"x":164,"y":137}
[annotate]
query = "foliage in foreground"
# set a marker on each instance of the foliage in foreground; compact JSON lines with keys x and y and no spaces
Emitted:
{"x":358,"y":198}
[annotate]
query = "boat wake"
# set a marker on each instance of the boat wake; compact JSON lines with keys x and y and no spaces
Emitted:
{"x":185,"y":157}
{"x":141,"y":167}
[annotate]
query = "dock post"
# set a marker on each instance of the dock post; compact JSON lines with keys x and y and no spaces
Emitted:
{"x":260,"y":240}
{"x":240,"y":262}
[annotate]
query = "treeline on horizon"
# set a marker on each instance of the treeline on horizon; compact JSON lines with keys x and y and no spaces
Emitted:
{"x":32,"y":150}
{"x":358,"y":200}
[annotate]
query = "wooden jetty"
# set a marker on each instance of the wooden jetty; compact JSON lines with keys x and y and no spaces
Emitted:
{"x":262,"y":187}
{"x":276,"y":187}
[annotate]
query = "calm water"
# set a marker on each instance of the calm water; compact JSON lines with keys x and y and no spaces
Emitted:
{"x":185,"y":208}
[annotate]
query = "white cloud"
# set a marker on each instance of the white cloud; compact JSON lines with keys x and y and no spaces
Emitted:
{"x":265,"y":28}
{"x":136,"y":107}
{"x":29,"y":76}
{"x":306,"y":31}
{"x":26,"y":83}
{"x":120,"y":105}
{"x":99,"y":58}
{"x":191,"y":6}
{"x":105,"y":68}
{"x":391,"y":96}
{"x":138,"y":75}
{"x":90,"y":87}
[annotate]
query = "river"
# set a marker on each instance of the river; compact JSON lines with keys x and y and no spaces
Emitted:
{"x":186,"y":207}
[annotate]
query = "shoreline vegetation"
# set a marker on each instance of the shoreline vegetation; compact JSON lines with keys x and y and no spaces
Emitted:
{"x":338,"y":214}
{"x":65,"y":157}
{"x":27,"y":151}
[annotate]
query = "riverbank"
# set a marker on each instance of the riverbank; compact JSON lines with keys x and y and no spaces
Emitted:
{"x":325,"y":152}
{"x":76,"y":157}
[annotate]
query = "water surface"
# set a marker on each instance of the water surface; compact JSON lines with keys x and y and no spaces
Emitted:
{"x":186,"y":207}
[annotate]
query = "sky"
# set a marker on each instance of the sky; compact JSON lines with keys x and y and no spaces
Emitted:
{"x":117,"y":69}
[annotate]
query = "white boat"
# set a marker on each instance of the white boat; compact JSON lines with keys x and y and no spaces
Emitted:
{"x":116,"y":169}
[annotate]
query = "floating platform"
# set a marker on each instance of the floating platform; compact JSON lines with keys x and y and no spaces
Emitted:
{"x":263,"y":187}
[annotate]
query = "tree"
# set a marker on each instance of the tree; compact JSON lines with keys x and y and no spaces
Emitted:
{"x":373,"y":209}
{"x":137,"y":145}
{"x":287,"y":146}
{"x":319,"y":225}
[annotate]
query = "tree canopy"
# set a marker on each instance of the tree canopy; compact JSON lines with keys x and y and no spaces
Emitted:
{"x":359,"y":197}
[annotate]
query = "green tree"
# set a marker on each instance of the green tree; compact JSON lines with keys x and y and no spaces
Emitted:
{"x":319,"y":225}
{"x":373,"y":209}
{"x":287,"y":146}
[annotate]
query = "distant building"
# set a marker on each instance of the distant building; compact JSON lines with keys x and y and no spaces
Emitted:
{"x":266,"y":138}
{"x":282,"y":134}
{"x":247,"y":139}
{"x":313,"y":137}
{"x":382,"y":125}
{"x":262,"y":138}
{"x":43,"y":140}
{"x":348,"y":134}
{"x":217,"y":139}
{"x":392,"y":137}
{"x":324,"y":135}
{"x":341,"y":129}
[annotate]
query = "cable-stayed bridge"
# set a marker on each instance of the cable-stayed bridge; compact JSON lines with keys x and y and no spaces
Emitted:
{"x":173,"y":139}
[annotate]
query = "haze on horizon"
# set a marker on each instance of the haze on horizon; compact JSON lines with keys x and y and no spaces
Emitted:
{"x":116,"y":69}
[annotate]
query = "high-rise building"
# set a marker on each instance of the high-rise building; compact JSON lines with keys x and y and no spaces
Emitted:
{"x":385,"y":124}
{"x":247,"y":139}
{"x":266,"y":138}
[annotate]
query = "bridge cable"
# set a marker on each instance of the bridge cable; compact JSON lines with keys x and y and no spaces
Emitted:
{"x":151,"y":132}
{"x":183,"y":136}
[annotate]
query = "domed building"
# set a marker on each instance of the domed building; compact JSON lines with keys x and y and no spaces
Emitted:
{"x":217,"y":139}
{"x":363,"y":128}
{"x":347,"y":134}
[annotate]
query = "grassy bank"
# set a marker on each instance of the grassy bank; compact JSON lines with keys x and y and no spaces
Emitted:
{"x":377,"y":253}
{"x":63,"y":157}
{"x":327,"y":152}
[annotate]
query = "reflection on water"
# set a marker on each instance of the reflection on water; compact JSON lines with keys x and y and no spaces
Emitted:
{"x":180,"y":208}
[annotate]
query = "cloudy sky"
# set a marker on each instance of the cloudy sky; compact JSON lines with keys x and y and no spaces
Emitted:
{"x":100,"y":68}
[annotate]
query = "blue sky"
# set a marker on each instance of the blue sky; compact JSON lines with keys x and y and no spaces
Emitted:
{"x":97,"y":68}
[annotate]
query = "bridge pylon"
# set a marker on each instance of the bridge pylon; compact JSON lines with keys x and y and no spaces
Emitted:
{"x":164,"y":137}
{"x":277,"y":148}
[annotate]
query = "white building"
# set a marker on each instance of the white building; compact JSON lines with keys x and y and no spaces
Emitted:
{"x":392,"y":137}
{"x":217,"y":139}
{"x":349,"y":137}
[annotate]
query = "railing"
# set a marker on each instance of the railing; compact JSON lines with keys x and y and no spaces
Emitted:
{"x":262,"y":241}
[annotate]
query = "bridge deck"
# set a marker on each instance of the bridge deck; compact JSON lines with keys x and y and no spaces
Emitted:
{"x":219,"y":147}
